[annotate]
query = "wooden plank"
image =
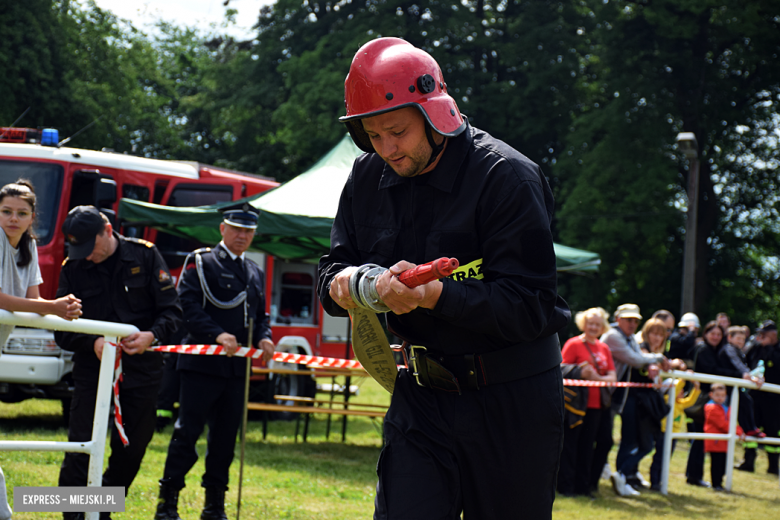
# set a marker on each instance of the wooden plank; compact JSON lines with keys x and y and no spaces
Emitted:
{"x":271,"y":407}
{"x":325,"y":401}
{"x":316,"y":373}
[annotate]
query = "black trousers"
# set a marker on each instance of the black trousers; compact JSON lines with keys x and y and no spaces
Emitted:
{"x":694,"y":471}
{"x":717,"y":468}
{"x":212,"y":400}
{"x":767,"y":413}
{"x":604,"y":443}
{"x":490,"y":453}
{"x":138,"y":413}
{"x":577,"y":455}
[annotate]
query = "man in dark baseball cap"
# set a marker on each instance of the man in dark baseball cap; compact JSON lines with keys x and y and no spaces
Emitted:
{"x":81,"y":226}
{"x":122,"y":280}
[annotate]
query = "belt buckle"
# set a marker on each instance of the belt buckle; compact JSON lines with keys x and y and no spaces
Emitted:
{"x":413,"y":358}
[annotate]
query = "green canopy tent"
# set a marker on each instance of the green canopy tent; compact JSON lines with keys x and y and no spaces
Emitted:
{"x":295,"y":218}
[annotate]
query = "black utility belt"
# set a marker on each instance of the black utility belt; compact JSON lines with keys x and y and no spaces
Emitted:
{"x":455,"y":373}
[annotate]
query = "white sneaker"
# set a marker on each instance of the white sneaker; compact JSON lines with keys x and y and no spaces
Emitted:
{"x":606,"y":472}
{"x":619,"y":483}
{"x":631,"y":492}
{"x":641,"y":479}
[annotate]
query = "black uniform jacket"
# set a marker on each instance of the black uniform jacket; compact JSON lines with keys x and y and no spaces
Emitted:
{"x":204,"y":322}
{"x":707,"y":363}
{"x":141,"y":292}
{"x":770,"y":355}
{"x":484,"y":204}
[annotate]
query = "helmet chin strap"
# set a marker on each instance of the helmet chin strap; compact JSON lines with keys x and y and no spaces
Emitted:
{"x":437,"y":148}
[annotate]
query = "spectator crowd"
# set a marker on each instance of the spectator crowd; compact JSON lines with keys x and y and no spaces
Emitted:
{"x":619,"y":351}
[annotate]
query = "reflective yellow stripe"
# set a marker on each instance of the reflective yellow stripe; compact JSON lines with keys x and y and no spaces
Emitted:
{"x":471,"y":270}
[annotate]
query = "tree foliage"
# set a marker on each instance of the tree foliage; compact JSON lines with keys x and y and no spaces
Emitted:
{"x":594,"y":91}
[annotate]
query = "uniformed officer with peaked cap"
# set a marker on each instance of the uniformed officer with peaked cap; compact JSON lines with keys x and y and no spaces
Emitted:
{"x":220,"y":290}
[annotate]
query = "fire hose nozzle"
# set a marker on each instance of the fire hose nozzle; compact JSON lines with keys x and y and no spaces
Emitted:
{"x":362,"y":283}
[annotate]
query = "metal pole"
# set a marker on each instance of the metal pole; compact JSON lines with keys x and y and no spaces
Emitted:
{"x":347,"y":384}
{"x":667,"y":455}
{"x":733,"y":412}
{"x":102,"y":414}
{"x":691,"y":230}
{"x":246,"y":413}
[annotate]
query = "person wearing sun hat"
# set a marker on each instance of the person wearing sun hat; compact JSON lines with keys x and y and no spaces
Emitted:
{"x":627,"y":355}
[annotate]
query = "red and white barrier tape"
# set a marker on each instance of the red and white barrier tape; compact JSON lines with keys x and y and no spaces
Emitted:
{"x":585,"y":382}
{"x":286,"y":357}
{"x":280,"y":357}
{"x":118,"y":377}
{"x":327,"y":362}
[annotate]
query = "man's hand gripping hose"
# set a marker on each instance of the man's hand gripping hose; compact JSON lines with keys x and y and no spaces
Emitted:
{"x":369,"y":341}
{"x":362,"y":283}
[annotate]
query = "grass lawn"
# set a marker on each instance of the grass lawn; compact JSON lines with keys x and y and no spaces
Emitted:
{"x":331,"y":480}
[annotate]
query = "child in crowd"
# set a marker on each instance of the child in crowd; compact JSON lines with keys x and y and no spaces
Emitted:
{"x":716,"y":420}
{"x":681,"y":402}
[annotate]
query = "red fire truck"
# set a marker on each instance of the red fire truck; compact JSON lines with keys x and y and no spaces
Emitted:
{"x":31,"y":364}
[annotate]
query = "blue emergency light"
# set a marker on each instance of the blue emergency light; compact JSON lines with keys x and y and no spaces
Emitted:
{"x":50,"y":137}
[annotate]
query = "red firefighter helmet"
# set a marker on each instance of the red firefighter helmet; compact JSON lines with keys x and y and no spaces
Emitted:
{"x":389,"y":73}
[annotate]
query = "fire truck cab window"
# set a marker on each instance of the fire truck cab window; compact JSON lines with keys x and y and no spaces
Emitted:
{"x":133,"y":192}
{"x":294,"y":296}
{"x":47,"y":179}
{"x":175,"y":249}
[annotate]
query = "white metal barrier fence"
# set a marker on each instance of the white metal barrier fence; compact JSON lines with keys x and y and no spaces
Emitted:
{"x":731,"y":436}
{"x":95,"y":447}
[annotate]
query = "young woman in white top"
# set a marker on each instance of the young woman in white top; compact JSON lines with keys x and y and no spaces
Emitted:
{"x":20,"y":275}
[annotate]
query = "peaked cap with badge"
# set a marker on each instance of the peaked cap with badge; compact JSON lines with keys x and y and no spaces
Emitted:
{"x":242,"y":215}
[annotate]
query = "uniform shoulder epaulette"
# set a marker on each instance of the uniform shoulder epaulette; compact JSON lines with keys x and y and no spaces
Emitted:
{"x":201,"y":250}
{"x":140,"y":241}
{"x":65,"y":261}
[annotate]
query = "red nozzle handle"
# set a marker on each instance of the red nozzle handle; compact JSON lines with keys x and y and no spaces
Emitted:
{"x":429,"y":272}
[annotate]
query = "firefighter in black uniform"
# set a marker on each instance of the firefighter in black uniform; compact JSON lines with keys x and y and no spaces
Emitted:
{"x":765,"y":348}
{"x":123,"y":280}
{"x":220,"y":290}
{"x":485,"y":442}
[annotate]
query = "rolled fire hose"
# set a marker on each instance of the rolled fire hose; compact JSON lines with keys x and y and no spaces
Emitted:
{"x":369,"y":341}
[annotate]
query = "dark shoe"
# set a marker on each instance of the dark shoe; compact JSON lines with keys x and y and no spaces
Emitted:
{"x":773,"y":466}
{"x":700,"y":483}
{"x":744,"y":466}
{"x":655,"y":487}
{"x":168,"y":503}
{"x":749,"y":464}
{"x":214,"y":508}
{"x":719,"y":489}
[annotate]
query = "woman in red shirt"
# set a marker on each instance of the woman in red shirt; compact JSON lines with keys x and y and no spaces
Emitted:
{"x":595,"y":361}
